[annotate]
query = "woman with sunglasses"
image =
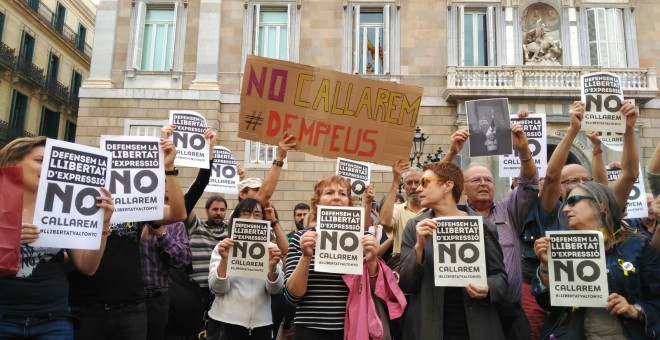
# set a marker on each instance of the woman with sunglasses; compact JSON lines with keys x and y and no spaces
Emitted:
{"x":633,"y":274}
{"x":448,"y":312}
{"x":241,"y":308}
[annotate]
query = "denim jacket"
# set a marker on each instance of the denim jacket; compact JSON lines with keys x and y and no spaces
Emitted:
{"x":639,"y":285}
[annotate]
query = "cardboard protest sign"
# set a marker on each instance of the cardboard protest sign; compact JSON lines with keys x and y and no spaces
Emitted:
{"x":137,"y":177}
{"x":249,"y":255}
{"x":458,"y":251}
{"x":578,"y":274}
{"x":224,"y":173}
{"x":192,"y":149}
{"x":636,"y":206}
{"x":535,"y":130}
{"x":602,"y":94}
{"x":339,"y":244}
{"x":359,"y":174}
{"x":489,"y":127}
{"x":332,"y":114}
{"x":66,"y":211}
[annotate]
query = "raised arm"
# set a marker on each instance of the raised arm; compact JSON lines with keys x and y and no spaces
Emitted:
{"x":521,"y":144}
{"x":287,"y":142}
{"x":385,"y":215}
{"x":196,"y":189}
{"x":629,"y":159}
{"x":552,"y":185}
{"x":458,"y":140}
{"x":175,"y":211}
{"x":598,"y":170}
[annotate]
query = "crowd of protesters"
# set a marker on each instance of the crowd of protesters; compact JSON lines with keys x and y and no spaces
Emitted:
{"x":168,"y":279}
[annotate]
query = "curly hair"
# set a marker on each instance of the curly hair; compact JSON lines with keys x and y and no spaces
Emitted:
{"x":324,"y":183}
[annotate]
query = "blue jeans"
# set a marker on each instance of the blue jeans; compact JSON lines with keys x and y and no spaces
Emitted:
{"x":120,"y":322}
{"x":35,"y":328}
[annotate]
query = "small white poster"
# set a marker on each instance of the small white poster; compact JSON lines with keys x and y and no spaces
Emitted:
{"x":137,"y":178}
{"x":249,"y":255}
{"x":339,"y":243}
{"x":224,"y":173}
{"x":603,"y":96}
{"x":534,"y":127}
{"x":636,"y":206}
{"x":192,"y":149}
{"x":459,"y":255}
{"x":578,"y":274}
{"x":66,"y":211}
{"x":359,"y":174}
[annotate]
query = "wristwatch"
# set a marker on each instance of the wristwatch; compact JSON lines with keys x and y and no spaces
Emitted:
{"x":640,"y":312}
{"x":162,"y":235}
{"x":174,"y":172}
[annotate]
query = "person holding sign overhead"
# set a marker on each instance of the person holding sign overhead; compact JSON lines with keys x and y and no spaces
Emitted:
{"x":241,"y":308}
{"x":437,"y":312}
{"x":308,"y":288}
{"x":35,"y":300}
{"x":633,"y":274}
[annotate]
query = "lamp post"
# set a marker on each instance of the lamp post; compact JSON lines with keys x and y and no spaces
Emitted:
{"x":418,"y":146}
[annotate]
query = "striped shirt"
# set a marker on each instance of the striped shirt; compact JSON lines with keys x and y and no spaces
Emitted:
{"x":324,"y":304}
{"x":203,"y":240}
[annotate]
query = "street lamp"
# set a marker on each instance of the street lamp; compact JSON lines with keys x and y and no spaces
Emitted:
{"x":438,"y":155}
{"x":418,"y":147}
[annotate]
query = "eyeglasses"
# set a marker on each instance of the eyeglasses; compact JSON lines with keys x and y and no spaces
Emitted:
{"x":478,"y":180}
{"x":575,"y":180}
{"x":411,"y":183}
{"x":247,"y":213}
{"x":426,"y":180}
{"x":577,"y":198}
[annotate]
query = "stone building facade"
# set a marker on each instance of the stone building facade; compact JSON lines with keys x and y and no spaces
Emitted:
{"x":151,"y":56}
{"x":45,"y":53}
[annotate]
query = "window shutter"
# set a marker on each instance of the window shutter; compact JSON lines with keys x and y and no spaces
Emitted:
{"x":141,"y":9}
{"x":386,"y":39}
{"x":176,"y":16}
{"x":257,"y":23}
{"x":356,"y":38}
{"x":461,"y":35}
{"x":490,"y":31}
{"x":289,"y":20}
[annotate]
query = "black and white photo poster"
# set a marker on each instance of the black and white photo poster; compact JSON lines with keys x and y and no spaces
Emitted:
{"x":458,"y":251}
{"x":359,"y":174}
{"x":137,"y":178}
{"x":66,"y":211}
{"x":489,"y":127}
{"x":339,"y":243}
{"x":636,"y":206}
{"x":578,"y":274}
{"x":249,"y":255}
{"x":224,"y":172}
{"x":534,"y":127}
{"x":603,"y":96}
{"x":192,"y":149}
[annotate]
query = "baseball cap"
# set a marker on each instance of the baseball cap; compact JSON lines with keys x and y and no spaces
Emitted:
{"x":251,"y":182}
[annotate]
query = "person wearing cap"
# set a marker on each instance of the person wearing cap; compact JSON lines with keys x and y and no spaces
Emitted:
{"x":249,"y":188}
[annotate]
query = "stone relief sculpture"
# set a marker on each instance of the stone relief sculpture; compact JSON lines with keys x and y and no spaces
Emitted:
{"x":539,"y":47}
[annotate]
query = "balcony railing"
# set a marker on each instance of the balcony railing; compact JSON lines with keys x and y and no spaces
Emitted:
{"x":9,"y":133}
{"x":57,"y":91}
{"x":60,"y":27}
{"x":30,"y":71}
{"x":526,"y":81}
{"x":7,"y":56}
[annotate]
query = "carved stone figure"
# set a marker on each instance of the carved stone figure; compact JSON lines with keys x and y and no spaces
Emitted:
{"x":540,"y":47}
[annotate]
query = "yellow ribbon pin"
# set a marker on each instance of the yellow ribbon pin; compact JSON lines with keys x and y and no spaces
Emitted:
{"x":626,"y":266}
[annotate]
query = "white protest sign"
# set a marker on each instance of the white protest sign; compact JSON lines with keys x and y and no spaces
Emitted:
{"x":339,"y":244}
{"x":458,"y":251}
{"x":602,"y":94}
{"x":137,"y":177}
{"x":192,"y":149}
{"x":249,"y":255}
{"x":613,"y":140}
{"x":224,"y":173}
{"x":534,"y":127}
{"x":578,"y":274}
{"x":66,"y":211}
{"x":636,"y":206}
{"x":359,"y":174}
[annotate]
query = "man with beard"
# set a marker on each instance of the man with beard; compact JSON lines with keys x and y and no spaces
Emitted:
{"x":299,"y":212}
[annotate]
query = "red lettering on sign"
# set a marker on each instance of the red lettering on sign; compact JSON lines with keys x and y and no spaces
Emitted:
{"x":274,"y":123}
{"x":321,"y":129}
{"x":335,"y":136}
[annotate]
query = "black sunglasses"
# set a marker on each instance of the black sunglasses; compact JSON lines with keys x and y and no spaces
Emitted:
{"x":577,"y":198}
